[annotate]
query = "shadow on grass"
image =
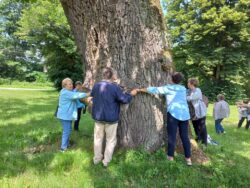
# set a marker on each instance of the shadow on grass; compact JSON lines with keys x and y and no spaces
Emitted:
{"x":24,"y":126}
{"x":30,"y":138}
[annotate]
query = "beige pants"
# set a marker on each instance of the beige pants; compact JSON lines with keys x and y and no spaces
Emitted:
{"x":99,"y":131}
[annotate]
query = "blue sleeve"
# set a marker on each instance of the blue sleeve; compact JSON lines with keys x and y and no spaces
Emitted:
{"x":158,"y":90}
{"x":75,"y":95}
{"x":121,"y":97}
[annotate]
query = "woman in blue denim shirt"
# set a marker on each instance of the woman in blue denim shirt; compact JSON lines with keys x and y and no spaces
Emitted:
{"x":177,"y":114}
{"x":67,"y":109}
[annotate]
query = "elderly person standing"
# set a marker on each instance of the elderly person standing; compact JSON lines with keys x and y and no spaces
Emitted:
{"x":177,"y":114}
{"x":221,"y":110}
{"x":107,"y":97}
{"x":198,"y":110}
{"x":67,"y":109}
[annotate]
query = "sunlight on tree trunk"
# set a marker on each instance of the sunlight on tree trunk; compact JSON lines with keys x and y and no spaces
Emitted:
{"x":129,"y":36}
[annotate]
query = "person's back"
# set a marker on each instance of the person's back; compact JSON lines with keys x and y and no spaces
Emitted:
{"x":107,"y":97}
{"x":221,"y":110}
{"x":224,"y":109}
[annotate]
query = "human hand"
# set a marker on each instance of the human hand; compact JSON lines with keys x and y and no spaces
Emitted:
{"x":89,"y":99}
{"x":133,"y":92}
{"x":142,"y":90}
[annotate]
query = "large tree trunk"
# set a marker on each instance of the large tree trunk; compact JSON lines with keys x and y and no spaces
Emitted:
{"x":127,"y":35}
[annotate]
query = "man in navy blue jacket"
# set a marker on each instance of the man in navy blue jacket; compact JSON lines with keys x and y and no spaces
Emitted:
{"x":107,"y":97}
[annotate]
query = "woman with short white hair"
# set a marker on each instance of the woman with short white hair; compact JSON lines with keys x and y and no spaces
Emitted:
{"x":67,"y":109}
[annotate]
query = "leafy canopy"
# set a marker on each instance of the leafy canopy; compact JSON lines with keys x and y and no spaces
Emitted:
{"x":210,"y":40}
{"x":44,"y":25}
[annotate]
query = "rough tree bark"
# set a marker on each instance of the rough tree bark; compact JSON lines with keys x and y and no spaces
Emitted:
{"x":128,"y":35}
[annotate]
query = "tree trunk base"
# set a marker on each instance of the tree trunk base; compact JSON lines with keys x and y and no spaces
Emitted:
{"x":198,"y":155}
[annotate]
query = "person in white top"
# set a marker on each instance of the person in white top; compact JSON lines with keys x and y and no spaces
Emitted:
{"x":221,"y":111}
{"x":198,"y":110}
{"x":242,"y":113}
{"x":244,"y":110}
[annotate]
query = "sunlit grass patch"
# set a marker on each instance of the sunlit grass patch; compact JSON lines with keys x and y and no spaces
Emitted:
{"x":30,"y":138}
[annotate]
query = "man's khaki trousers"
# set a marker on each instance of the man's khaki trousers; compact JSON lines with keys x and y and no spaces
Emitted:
{"x":99,"y":131}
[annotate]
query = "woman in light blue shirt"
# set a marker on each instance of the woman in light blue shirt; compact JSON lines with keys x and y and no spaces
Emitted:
{"x":177,"y":114}
{"x":67,"y":109}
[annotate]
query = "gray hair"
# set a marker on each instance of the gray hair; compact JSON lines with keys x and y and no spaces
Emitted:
{"x":65,"y":81}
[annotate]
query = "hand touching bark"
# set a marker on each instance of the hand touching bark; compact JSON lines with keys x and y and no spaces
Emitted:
{"x":133,"y":92}
{"x":144,"y":90}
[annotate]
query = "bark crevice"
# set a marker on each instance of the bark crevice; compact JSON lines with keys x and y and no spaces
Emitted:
{"x":129,"y":36}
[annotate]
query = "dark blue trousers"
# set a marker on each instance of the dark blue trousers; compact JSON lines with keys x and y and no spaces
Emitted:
{"x":76,"y":124}
{"x":172,"y":125}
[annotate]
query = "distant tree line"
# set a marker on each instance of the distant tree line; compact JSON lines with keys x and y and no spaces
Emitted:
{"x":210,"y":40}
{"x":33,"y":35}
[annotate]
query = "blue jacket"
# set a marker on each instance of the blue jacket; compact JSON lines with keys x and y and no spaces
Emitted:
{"x":79,"y":104}
{"x":67,"y":109}
{"x":107,"y":98}
{"x":176,"y":100}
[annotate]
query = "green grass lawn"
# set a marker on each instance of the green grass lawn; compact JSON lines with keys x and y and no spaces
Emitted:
{"x":33,"y":85}
{"x":29,"y":157}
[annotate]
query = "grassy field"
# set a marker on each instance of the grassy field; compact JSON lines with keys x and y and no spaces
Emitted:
{"x":29,"y":157}
{"x":33,"y":85}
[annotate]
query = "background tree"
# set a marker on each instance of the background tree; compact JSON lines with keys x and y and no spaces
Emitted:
{"x":15,"y":62}
{"x":210,"y":40}
{"x":44,"y":26}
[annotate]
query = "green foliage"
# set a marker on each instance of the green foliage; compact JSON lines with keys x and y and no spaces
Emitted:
{"x":29,"y":150}
{"x":47,"y":30}
{"x":16,"y":61}
{"x":211,"y":41}
{"x":37,"y":76}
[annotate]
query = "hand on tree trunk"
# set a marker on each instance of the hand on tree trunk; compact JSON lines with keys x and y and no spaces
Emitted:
{"x":144,"y":90}
{"x":134,"y":92}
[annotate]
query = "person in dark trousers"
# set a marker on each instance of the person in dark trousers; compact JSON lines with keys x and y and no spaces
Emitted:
{"x":177,"y":114}
{"x":244,"y":110}
{"x":242,"y":113}
{"x":79,"y":105}
{"x":221,"y":111}
{"x":107,"y":98}
{"x":198,"y":110}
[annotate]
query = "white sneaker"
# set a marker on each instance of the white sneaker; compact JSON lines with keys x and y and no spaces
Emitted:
{"x":105,"y":164}
{"x":96,"y":162}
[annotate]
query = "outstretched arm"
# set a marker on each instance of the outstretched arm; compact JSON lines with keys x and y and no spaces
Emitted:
{"x":154,"y":90}
{"x":124,"y":98}
{"x":244,"y":105}
{"x":76,"y":95}
{"x":144,"y":90}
